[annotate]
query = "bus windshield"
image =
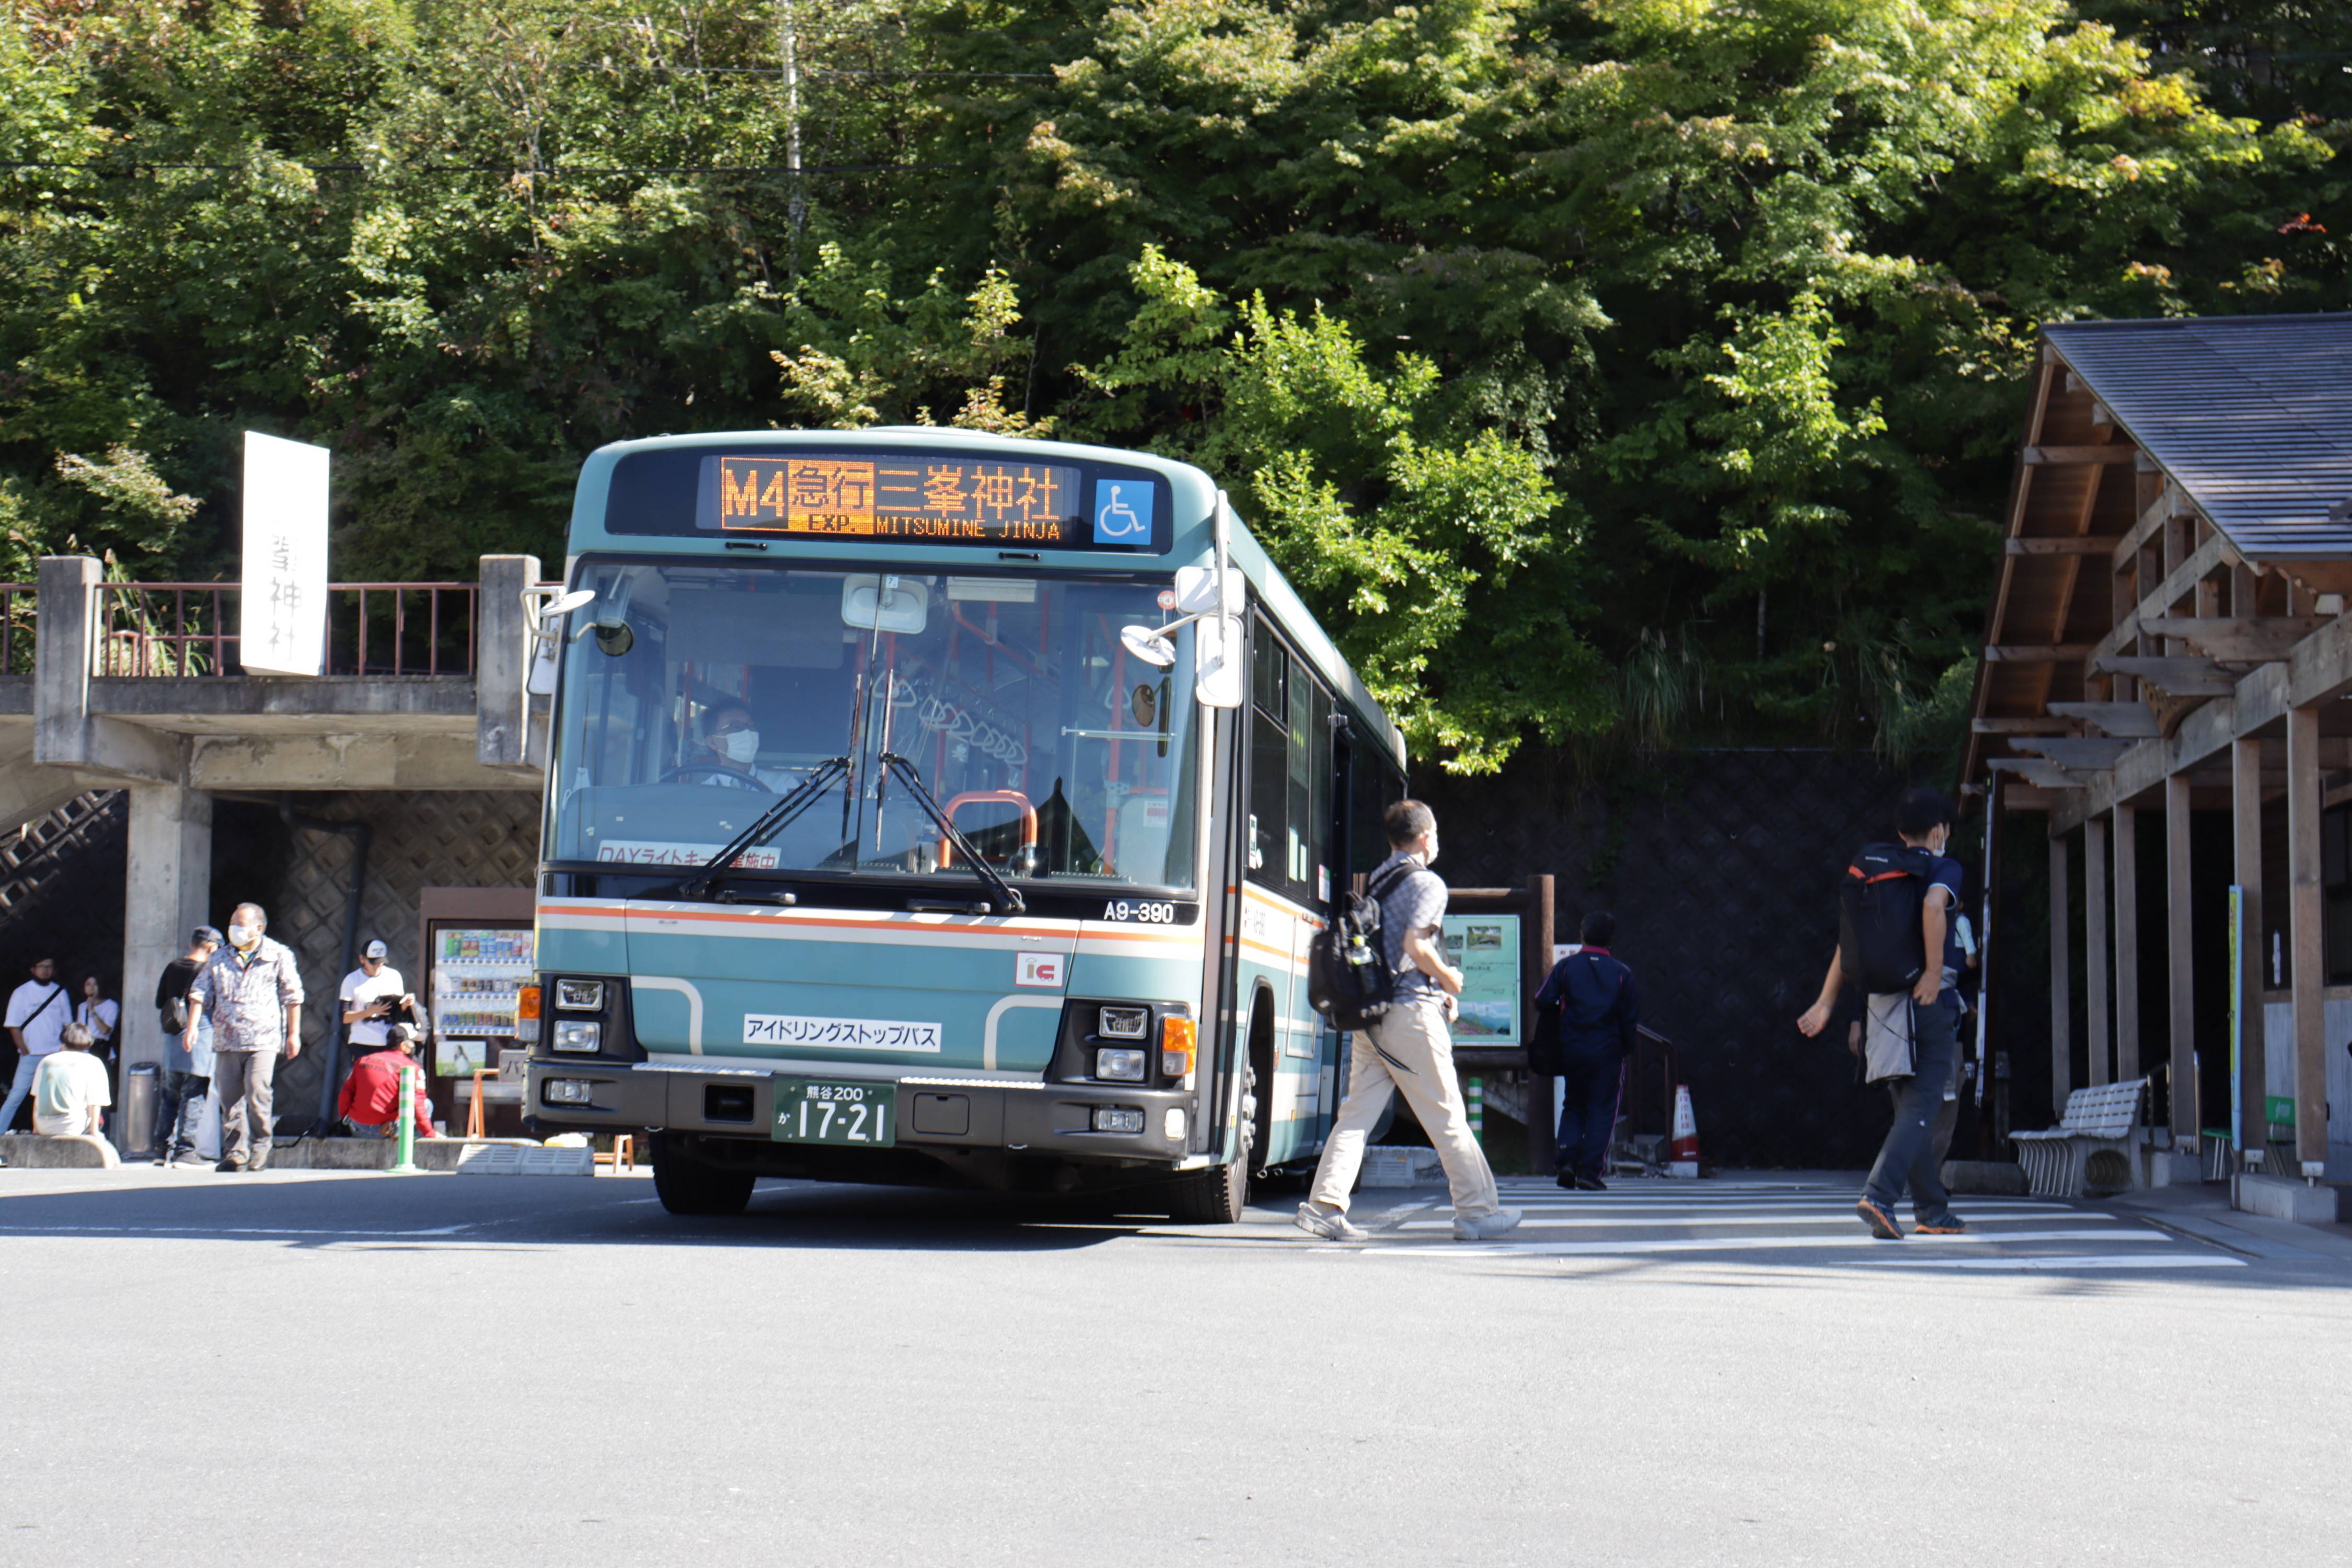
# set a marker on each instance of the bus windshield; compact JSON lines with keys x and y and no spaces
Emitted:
{"x":694,"y":696}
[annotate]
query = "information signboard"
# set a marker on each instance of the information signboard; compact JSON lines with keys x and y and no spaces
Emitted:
{"x":1486,"y":947}
{"x":282,"y":602}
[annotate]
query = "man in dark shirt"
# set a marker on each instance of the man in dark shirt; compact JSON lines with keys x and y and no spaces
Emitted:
{"x":1598,"y":1014}
{"x":187,"y":1073}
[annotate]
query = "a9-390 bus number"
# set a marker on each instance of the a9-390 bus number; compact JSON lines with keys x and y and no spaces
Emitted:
{"x":1139,"y":912}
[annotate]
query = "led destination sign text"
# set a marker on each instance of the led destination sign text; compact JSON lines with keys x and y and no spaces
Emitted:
{"x":947,"y":500}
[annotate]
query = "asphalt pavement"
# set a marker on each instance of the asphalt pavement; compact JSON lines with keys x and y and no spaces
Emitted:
{"x":360,"y":1369}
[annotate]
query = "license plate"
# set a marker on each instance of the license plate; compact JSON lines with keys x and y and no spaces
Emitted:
{"x":812,"y":1110}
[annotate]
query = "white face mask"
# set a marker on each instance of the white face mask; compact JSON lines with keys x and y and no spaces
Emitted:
{"x":739,"y":745}
{"x":1429,"y":856}
{"x":243,"y":936}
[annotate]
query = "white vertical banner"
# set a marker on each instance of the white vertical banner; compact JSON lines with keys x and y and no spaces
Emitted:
{"x":282,"y":619}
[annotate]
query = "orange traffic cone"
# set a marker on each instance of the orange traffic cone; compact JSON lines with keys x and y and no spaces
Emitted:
{"x":1685,"y":1145}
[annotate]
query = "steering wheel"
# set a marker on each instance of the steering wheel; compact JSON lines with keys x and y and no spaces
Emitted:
{"x":673,"y":775}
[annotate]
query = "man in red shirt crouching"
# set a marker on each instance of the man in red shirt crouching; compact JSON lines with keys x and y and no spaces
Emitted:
{"x":371,"y":1097}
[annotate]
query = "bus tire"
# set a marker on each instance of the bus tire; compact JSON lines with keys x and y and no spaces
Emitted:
{"x":688,"y":1186}
{"x":1215,"y":1197}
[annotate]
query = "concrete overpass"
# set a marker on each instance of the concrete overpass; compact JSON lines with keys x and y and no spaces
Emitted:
{"x":138,"y":688}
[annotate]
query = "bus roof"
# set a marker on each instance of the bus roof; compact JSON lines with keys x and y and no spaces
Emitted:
{"x":1193,"y":542}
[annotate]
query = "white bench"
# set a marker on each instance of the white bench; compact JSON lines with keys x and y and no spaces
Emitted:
{"x":2106,"y":1118}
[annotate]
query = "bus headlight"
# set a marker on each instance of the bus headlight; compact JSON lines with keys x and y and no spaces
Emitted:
{"x":568,"y":1092}
{"x":1119,"y":1064}
{"x":1123,"y":1022}
{"x":572,"y":1035}
{"x":1117,"y":1118}
{"x":579,"y":996}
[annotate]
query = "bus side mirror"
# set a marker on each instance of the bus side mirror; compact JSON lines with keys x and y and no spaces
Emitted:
{"x":1197,"y":591}
{"x":1217,"y":661}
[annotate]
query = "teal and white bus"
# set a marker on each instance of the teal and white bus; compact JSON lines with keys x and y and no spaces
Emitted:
{"x":930,"y":807}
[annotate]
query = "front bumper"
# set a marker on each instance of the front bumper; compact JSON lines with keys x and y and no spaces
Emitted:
{"x":940,"y":1113}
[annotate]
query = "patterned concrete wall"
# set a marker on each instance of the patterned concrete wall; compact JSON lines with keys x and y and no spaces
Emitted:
{"x":1722,"y":869}
{"x":423,"y":839}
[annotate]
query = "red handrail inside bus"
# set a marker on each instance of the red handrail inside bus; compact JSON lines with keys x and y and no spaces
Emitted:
{"x":1003,"y":796}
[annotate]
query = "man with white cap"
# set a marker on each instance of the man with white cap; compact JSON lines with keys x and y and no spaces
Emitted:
{"x":373,"y":998}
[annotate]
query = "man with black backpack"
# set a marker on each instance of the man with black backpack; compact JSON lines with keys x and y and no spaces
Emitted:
{"x":1897,"y":944}
{"x":1405,"y":1041}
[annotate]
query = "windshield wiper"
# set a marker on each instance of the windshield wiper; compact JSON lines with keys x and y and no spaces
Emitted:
{"x":773,"y":820}
{"x":987,"y":873}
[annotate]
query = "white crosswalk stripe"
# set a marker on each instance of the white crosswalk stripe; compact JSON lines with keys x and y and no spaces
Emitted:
{"x":1796,"y":1224}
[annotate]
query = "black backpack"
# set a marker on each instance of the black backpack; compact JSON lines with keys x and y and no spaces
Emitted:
{"x":1882,"y":939}
{"x":1348,"y":979}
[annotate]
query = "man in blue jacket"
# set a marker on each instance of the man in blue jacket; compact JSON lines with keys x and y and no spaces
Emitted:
{"x":1598,"y":1014}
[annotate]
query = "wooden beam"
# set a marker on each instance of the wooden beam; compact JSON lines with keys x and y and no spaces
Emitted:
{"x":2096,"y":952}
{"x":2062,"y":980}
{"x":2118,"y":453}
{"x":2013,"y":524}
{"x":2180,"y":677}
{"x":2125,"y":721}
{"x":2307,"y":971}
{"x":2238,"y":639}
{"x":2317,"y":672}
{"x":2126,"y":853}
{"x":2172,"y":502}
{"x":2246,"y":838}
{"x":2032,"y":653}
{"x":2207,"y":559}
{"x":2180,"y":955}
{"x":2070,"y":578}
{"x":2092,"y":544}
{"x":2006,"y":726}
{"x":2035,"y":771}
{"x":2077,"y":752}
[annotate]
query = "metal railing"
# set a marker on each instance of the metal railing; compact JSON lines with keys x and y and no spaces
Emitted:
{"x":178,"y":629}
{"x":18,"y":604}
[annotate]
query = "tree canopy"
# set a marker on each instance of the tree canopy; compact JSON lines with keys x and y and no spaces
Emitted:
{"x":1604,"y":371}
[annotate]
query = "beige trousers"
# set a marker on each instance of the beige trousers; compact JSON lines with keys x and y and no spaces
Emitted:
{"x":1409,"y":1049}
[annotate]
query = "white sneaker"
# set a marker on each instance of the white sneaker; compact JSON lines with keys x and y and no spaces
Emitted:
{"x":1329,"y":1227}
{"x":1484,"y":1227}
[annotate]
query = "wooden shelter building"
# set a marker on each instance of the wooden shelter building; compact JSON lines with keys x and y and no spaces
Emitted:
{"x":2168,"y":635}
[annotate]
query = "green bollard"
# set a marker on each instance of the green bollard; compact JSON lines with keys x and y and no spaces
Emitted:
{"x":1475,"y":1091}
{"x":407,"y":1120}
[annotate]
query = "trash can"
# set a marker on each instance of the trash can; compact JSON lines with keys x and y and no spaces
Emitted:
{"x":137,"y":1128}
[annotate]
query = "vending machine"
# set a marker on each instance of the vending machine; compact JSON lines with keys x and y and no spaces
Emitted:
{"x":478,"y":955}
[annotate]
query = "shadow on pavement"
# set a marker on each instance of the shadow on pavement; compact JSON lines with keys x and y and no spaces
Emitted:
{"x":315,"y":1209}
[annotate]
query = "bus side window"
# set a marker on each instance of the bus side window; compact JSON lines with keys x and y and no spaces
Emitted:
{"x":1319,"y":888}
{"x":1269,"y":746}
{"x":1298,"y":830}
{"x":1374,"y":786}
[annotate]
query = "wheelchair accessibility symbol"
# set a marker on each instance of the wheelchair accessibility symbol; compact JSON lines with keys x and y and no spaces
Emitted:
{"x":1125,"y":512}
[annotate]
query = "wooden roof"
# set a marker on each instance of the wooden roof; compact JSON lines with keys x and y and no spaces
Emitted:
{"x":2191,"y":474}
{"x":2252,"y":416}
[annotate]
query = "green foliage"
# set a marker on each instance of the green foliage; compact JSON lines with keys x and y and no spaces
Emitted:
{"x":1437,"y":547}
{"x":1612,"y":372}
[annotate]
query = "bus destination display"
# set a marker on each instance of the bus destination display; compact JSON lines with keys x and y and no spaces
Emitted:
{"x":950,"y":501}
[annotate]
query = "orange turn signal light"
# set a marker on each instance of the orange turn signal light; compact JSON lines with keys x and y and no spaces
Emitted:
{"x":1179,"y":1041}
{"x":527,"y":1002}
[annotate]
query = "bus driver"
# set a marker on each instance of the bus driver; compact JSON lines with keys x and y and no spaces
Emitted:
{"x":729,"y":744}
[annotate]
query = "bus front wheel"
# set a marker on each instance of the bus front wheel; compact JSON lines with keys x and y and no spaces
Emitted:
{"x":1215,"y":1197}
{"x":688,"y":1186}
